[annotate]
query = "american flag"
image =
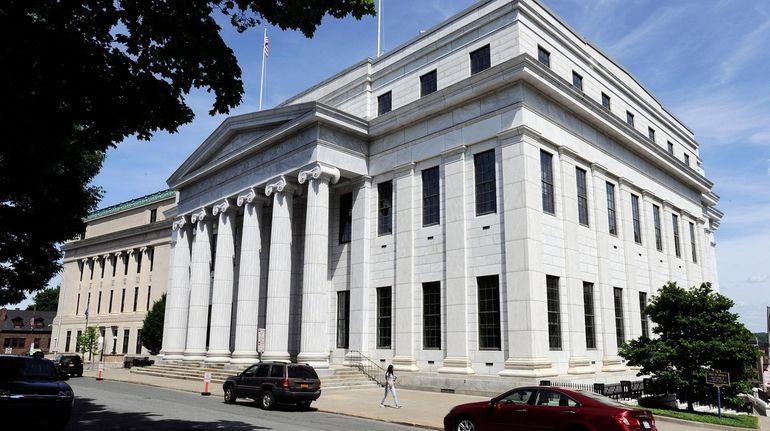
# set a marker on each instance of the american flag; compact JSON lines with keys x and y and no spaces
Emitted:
{"x":266,"y":49}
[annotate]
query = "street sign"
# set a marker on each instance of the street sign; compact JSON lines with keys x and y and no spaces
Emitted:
{"x":8,"y":350}
{"x":261,"y":340}
{"x":207,"y":377}
{"x":717,"y":378}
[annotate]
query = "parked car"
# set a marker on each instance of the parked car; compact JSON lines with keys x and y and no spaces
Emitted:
{"x":70,"y":364}
{"x":269,"y":383}
{"x":551,"y":408}
{"x":33,"y":389}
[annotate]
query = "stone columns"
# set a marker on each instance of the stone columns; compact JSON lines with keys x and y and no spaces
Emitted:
{"x":360,"y":243}
{"x":224,"y":275}
{"x":403,"y":312}
{"x":527,"y":315}
{"x":178,"y":296}
{"x":248,"y":280}
{"x":200,"y":286}
{"x":314,"y":341}
{"x":457,"y":360}
{"x":279,"y":271}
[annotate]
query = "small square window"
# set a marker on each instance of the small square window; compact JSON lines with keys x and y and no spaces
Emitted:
{"x":480,"y":59}
{"x":384,"y":103}
{"x":543,"y":56}
{"x":630,"y":119}
{"x":606,"y":101}
{"x":651,"y":133}
{"x":671,"y":148}
{"x":428,"y":83}
{"x":577,"y":80}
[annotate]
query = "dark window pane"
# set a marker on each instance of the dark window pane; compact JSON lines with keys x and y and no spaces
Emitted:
{"x":671,"y":148}
{"x":480,"y":59}
{"x":582,"y":196}
{"x":656,"y":221}
{"x":489,"y":312}
{"x":645,"y":319}
{"x":428,"y":83}
{"x":577,"y":81}
{"x":302,"y":372}
{"x":546,"y":171}
{"x":588,"y":311}
{"x":692,"y":244}
{"x":619,"y":332}
{"x":543,"y":56}
{"x":606,"y":101}
{"x":485,"y":177}
{"x":431,"y":315}
{"x":675,"y":222}
{"x":651,"y":133}
{"x":385,"y":208}
{"x":430,"y":197}
{"x":277,"y":370}
{"x":263,"y":370}
{"x":554,"y":314}
{"x":630,"y":119}
{"x":343,"y":319}
{"x":346,"y":217}
{"x":611,"y":216}
{"x":384,"y":313}
{"x":384,"y":103}
{"x":635,"y":219}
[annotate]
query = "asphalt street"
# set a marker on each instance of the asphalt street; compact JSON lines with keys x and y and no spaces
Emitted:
{"x":108,"y":405}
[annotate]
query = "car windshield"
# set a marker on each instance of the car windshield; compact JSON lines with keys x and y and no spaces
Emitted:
{"x":302,"y":372}
{"x":601,"y":399}
{"x":24,"y":369}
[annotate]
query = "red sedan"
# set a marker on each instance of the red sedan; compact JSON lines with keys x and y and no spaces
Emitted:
{"x":548,"y":408}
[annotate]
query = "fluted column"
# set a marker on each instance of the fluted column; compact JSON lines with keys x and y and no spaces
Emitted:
{"x":279,"y":271}
{"x":200,"y":283}
{"x":314,"y":341}
{"x":248,"y":279}
{"x":178,"y":295}
{"x":224,"y":275}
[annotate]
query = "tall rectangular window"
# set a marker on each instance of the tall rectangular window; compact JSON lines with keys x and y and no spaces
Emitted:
{"x":77,"y":306}
{"x":554,"y":314}
{"x":77,"y":340}
{"x":136,"y":297}
{"x":126,"y":335}
{"x":68,"y":339}
{"x":149,"y":295}
{"x":430,"y":197}
{"x":384,"y":314}
{"x":675,"y":222}
{"x":644,"y":317}
{"x":620,"y":336}
{"x":91,"y":269}
{"x":606,"y":101}
{"x":480,"y":59}
{"x":123,"y":301}
{"x":692,"y":243}
{"x":114,"y":265}
{"x":489,"y":312}
{"x":588,"y":312}
{"x":99,"y":304}
{"x":611,"y":213}
{"x":138,"y":341}
{"x":687,"y":159}
{"x":431,"y":315}
{"x":109,"y":309}
{"x":385,"y":103}
{"x":582,"y":196}
{"x":577,"y":80}
{"x":670,"y":148}
{"x":139,"y":262}
{"x":103,"y":263}
{"x":630,"y":119}
{"x":543,"y":56}
{"x":343,"y":319}
{"x":81,"y":264}
{"x":153,"y":215}
{"x":385,"y":208}
{"x":486,"y":186}
{"x":651,"y":133}
{"x":546,"y":181}
{"x":635,"y":218}
{"x":658,"y":233}
{"x":346,"y":217}
{"x":151,"y":256}
{"x":428,"y":83}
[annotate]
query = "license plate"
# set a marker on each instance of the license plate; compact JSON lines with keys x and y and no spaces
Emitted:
{"x":646,"y":425}
{"x":303,"y":386}
{"x":71,"y":365}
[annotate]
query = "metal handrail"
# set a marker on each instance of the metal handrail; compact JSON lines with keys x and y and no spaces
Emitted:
{"x":364,"y":364}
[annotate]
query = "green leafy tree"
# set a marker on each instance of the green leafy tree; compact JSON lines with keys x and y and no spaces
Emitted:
{"x":78,"y":77}
{"x":695,"y":331}
{"x":88,"y":342}
{"x":152,"y":328}
{"x":46,"y":300}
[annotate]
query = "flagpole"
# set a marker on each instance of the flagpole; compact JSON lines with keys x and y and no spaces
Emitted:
{"x":262,"y":78}
{"x":379,"y":27}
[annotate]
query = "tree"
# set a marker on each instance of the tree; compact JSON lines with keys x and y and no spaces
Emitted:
{"x":152,"y":328}
{"x":695,"y":332}
{"x":88,"y":342}
{"x":46,"y":300}
{"x":78,"y":77}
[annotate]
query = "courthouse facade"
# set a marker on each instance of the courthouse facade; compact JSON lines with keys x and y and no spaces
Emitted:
{"x":495,"y":196}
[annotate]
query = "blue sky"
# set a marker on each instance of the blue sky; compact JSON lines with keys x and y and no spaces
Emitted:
{"x":705,"y":60}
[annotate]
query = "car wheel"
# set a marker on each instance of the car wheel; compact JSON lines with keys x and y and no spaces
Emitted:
{"x":229,"y":395}
{"x":80,"y":374}
{"x":268,"y":400}
{"x":466,"y":424}
{"x":303,"y":405}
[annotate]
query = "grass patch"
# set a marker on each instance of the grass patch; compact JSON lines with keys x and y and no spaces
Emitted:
{"x":742,"y":421}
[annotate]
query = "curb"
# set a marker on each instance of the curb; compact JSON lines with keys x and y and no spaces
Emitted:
{"x":702,"y":425}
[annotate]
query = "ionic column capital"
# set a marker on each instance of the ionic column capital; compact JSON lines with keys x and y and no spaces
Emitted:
{"x":278,"y":184}
{"x":249,"y":196}
{"x":200,"y":215}
{"x":180,"y":222}
{"x":319,"y":171}
{"x":223,"y":207}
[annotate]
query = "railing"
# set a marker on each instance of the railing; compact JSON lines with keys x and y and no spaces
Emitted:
{"x":625,"y":390}
{"x":364,"y":364}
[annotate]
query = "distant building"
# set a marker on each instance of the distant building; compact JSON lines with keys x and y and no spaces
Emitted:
{"x":23,"y":330}
{"x":115,"y":272}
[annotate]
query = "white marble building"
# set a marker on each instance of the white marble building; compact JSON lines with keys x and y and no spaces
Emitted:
{"x":496,"y":196}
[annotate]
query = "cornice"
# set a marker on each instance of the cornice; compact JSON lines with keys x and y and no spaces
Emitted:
{"x":139,"y":232}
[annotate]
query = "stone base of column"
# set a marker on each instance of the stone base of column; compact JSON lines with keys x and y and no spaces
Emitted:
{"x":456,"y":365}
{"x":405,"y":363}
{"x":612,"y":364}
{"x":173,"y":356}
{"x":217,"y":357}
{"x":244,"y":358}
{"x":194,"y":355}
{"x":276,"y":356}
{"x":528,"y":367}
{"x":315,"y":360}
{"x":580,"y":365}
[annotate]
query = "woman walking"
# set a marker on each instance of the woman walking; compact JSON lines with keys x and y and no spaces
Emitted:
{"x":390,"y":381}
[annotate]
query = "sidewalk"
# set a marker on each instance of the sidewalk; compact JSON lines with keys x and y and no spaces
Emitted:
{"x":419,"y":408}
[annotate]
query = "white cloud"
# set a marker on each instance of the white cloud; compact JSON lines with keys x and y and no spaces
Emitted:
{"x":748,"y":47}
{"x":736,"y":259}
{"x":659,"y":19}
{"x":757,"y":279}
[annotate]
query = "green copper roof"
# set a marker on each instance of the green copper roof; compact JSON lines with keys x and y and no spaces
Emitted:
{"x":134,"y":203}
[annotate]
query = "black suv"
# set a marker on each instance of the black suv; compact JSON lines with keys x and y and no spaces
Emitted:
{"x":269,"y":383}
{"x":70,"y":364}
